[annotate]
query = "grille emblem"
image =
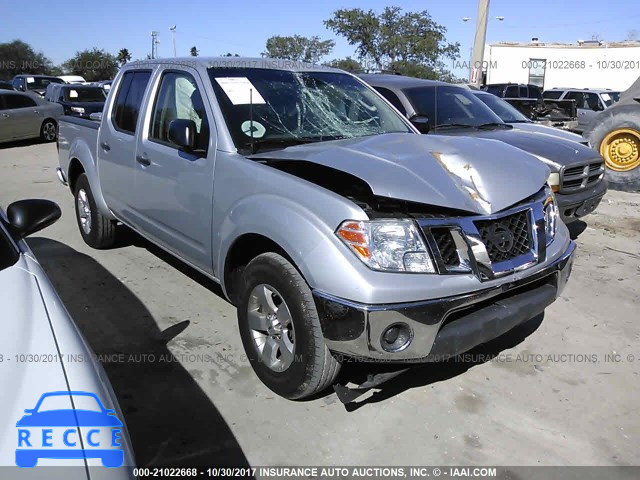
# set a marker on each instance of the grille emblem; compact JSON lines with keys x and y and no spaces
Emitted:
{"x":501,"y":237}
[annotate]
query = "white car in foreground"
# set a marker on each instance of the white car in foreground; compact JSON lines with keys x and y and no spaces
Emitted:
{"x":55,"y":393}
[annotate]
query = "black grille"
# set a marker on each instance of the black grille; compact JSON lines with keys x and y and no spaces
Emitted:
{"x":581,"y":176}
{"x":446,"y":246}
{"x":507,"y":237}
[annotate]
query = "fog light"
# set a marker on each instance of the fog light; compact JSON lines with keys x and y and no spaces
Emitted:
{"x":396,"y":337}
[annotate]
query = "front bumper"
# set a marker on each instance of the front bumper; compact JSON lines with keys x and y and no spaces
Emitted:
{"x":575,"y":205}
{"x":443,"y":327}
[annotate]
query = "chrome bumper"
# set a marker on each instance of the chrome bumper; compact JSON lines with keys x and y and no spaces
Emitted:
{"x":443,"y":327}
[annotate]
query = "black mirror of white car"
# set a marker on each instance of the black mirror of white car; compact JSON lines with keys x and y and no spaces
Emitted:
{"x":182,"y":133}
{"x":421,"y":122}
{"x":30,"y":216}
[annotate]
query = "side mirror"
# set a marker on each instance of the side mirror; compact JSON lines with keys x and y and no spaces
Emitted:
{"x":30,"y":216}
{"x":97,"y":116}
{"x":21,"y":88}
{"x":183,"y":133}
{"x":421,"y":122}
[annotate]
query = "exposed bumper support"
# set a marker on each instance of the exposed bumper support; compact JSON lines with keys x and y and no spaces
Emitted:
{"x":443,"y":327}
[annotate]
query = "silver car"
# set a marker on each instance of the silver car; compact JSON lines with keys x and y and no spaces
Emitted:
{"x":46,"y":364}
{"x":24,"y":115}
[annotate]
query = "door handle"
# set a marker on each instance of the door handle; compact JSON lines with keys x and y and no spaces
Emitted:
{"x":143,"y":160}
{"x":105,"y":146}
{"x":5,"y":115}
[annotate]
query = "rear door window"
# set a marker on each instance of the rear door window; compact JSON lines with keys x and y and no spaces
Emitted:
{"x":127,"y":103}
{"x":19,"y":101}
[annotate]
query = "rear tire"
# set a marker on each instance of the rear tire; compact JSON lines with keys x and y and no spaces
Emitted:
{"x":49,"y":130}
{"x":97,"y":230}
{"x":280,"y":329}
{"x":617,"y":138}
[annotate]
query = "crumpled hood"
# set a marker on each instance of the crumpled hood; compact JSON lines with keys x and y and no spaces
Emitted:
{"x":551,"y":149}
{"x":463,"y":173}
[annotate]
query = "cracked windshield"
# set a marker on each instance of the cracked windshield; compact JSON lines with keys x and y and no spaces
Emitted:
{"x":276,"y":108}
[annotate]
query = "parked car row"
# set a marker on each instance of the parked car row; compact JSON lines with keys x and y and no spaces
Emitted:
{"x":77,"y":100}
{"x":588,"y":102}
{"x":529,"y":100}
{"x":31,"y":105}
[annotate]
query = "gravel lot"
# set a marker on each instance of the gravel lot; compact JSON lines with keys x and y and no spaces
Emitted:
{"x":549,"y":397}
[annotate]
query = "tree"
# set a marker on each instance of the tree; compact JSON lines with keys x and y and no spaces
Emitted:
{"x":19,"y":57}
{"x":123,"y":56}
{"x":409,"y":43}
{"x":298,"y":48}
{"x":92,"y":64}
{"x":194,"y":51}
{"x":349,"y":64}
{"x":230,"y":55}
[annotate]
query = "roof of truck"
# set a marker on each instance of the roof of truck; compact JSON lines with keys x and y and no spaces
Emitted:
{"x":236,"y":62}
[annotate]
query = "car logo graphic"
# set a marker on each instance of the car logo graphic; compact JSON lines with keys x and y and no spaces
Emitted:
{"x":36,"y":432}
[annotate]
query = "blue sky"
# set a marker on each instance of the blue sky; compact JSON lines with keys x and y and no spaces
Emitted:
{"x":242,"y":26}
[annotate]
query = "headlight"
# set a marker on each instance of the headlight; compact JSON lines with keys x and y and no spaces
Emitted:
{"x":554,"y":181}
{"x":77,"y":109}
{"x":550,"y":217}
{"x":387,"y":245}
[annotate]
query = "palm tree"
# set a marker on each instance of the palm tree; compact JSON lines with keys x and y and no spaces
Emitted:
{"x":194,"y":52}
{"x":123,"y":56}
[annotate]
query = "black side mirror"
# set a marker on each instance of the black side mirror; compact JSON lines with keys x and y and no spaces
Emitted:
{"x":30,"y":216}
{"x":183,"y":133}
{"x":421,"y":122}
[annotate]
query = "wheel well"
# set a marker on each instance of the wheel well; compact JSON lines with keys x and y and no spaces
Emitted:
{"x":244,"y":249}
{"x":47,"y":119}
{"x":75,"y":170}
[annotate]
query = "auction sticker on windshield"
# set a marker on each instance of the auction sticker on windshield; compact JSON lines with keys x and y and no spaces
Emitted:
{"x":240,"y":90}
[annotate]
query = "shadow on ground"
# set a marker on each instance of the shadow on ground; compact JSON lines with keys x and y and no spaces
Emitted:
{"x":576,"y":228}
{"x":170,"y":419}
{"x":125,"y":237}
{"x":21,"y":143}
{"x":421,"y":375}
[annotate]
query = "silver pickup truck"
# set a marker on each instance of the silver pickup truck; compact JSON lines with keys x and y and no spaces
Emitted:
{"x":334,"y":226}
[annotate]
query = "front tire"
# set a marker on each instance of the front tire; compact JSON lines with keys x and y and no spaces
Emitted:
{"x":49,"y":130}
{"x":280,"y":329}
{"x":97,"y":230}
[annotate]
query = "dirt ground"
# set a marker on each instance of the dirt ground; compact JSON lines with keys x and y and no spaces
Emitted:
{"x":562,"y":390}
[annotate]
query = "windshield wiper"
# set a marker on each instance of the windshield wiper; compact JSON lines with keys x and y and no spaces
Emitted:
{"x":454,"y":125}
{"x":491,"y":125}
{"x":289,"y":142}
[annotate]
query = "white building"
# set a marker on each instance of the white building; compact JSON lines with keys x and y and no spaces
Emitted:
{"x":586,"y":64}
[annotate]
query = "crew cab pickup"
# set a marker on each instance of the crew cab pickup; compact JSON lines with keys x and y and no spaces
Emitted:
{"x":336,"y":229}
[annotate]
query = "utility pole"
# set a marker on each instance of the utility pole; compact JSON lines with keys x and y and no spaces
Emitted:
{"x":173,"y":34}
{"x":475,"y":76}
{"x":154,"y":44}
